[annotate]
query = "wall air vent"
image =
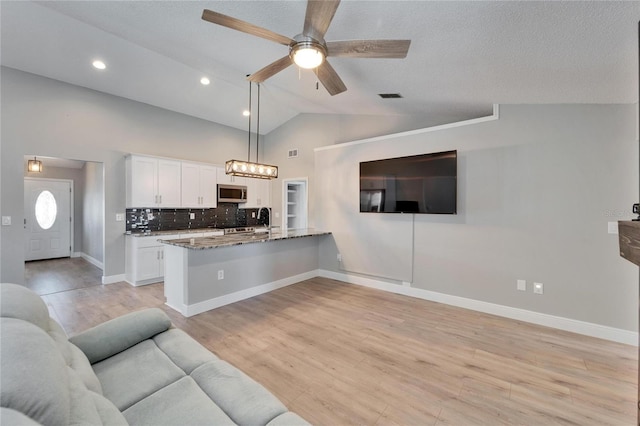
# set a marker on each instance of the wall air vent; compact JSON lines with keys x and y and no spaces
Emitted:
{"x":293,"y":153}
{"x":390,"y":95}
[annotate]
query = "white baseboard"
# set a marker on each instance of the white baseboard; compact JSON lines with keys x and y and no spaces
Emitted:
{"x":112,"y":279}
{"x":76,"y":254}
{"x":561,"y":323}
{"x":91,"y":260}
{"x":198,"y":308}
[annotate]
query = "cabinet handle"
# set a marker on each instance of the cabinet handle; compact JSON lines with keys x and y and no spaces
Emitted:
{"x":160,"y":199}
{"x":158,"y":255}
{"x":162,"y":255}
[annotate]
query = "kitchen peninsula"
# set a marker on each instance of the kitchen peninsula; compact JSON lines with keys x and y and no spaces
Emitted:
{"x":205,"y":273}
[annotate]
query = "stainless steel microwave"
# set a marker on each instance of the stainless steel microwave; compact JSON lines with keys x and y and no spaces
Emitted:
{"x":232,"y":193}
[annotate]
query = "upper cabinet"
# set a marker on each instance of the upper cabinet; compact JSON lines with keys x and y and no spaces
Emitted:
{"x":226,"y":179}
{"x":199,"y":185}
{"x":152,"y":182}
{"x":164,"y":183}
{"x":258,"y":193}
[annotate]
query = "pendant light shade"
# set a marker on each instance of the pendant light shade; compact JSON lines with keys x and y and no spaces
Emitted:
{"x":34,"y":165}
{"x":248,"y":168}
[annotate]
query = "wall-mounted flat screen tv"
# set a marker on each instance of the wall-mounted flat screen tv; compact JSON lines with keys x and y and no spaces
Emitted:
{"x":425,"y":183}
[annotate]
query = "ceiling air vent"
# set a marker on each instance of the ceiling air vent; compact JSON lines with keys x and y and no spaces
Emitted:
{"x":390,"y":95}
{"x":293,"y":153}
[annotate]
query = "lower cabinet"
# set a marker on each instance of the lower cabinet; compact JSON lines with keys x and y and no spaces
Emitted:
{"x":144,"y":256}
{"x":144,"y":259}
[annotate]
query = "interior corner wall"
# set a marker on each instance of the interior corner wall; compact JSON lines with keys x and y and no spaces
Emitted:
{"x":93,"y":211}
{"x":537,"y":189}
{"x":308,"y":131}
{"x":54,"y":119}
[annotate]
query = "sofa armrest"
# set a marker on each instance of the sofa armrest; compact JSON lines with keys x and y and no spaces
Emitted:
{"x":119,"y":334}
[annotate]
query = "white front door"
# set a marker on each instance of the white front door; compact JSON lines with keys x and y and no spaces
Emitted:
{"x":47,"y":225}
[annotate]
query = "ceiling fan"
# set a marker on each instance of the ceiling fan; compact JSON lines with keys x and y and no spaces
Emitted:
{"x":309,"y":49}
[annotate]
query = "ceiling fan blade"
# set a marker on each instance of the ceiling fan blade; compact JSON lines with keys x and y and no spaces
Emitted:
{"x":369,"y":48}
{"x":318,"y":17}
{"x":330,"y":79}
{"x":245,"y":27}
{"x":270,"y":70}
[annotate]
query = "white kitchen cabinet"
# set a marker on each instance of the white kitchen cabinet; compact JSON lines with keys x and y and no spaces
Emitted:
{"x":152,"y":182}
{"x":258,"y":193}
{"x":144,"y":259}
{"x":198,"y":185}
{"x":224,"y":178}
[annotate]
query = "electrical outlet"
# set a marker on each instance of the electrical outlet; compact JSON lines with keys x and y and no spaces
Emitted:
{"x":538,"y":288}
{"x":119,"y":217}
{"x":221,"y":274}
{"x":253,"y":215}
{"x":521,"y":285}
{"x":339,"y":257}
{"x":6,"y":220}
{"x":192,"y":216}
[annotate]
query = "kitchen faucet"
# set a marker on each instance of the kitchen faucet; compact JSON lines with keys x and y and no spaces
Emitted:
{"x":268,"y":217}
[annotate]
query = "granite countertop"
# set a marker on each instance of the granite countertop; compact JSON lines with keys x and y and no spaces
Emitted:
{"x":172,"y":232}
{"x":204,"y":243}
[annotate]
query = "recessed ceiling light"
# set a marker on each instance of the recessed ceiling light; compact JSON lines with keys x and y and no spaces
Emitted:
{"x":205,"y":81}
{"x":246,"y":113}
{"x":98,"y":64}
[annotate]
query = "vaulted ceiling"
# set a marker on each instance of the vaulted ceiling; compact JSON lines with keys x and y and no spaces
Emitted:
{"x":464,"y":56}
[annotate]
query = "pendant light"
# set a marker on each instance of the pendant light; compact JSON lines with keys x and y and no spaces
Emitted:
{"x":34,"y":165}
{"x":247,"y":168}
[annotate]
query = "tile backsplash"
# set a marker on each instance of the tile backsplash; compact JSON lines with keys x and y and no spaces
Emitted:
{"x":226,"y":215}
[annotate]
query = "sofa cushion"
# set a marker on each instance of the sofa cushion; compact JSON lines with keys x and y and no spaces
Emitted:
{"x":19,"y":302}
{"x":37,"y":381}
{"x":13,"y":417}
{"x":136,"y":373}
{"x":183,"y":350}
{"x":80,"y":364}
{"x":180,"y":403}
{"x":33,"y":373}
{"x":119,"y":334}
{"x":243,"y":399}
{"x":109,"y":414}
{"x":288,"y":419}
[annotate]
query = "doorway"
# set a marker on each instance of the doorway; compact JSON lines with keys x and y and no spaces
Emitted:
{"x":48,"y":222}
{"x":295,"y":203}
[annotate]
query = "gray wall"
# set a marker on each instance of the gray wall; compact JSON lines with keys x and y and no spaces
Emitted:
{"x":77,"y":176}
{"x":93,"y":211}
{"x":308,"y":131}
{"x":537,"y":189}
{"x":55,"y":119}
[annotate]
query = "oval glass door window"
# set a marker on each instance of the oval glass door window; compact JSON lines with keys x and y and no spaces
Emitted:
{"x":46,"y":209}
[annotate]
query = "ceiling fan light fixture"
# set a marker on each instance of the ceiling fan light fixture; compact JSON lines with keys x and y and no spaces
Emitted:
{"x":308,"y":54}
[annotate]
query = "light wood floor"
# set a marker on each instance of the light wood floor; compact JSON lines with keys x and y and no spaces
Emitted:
{"x":340,"y":354}
{"x":54,"y":275}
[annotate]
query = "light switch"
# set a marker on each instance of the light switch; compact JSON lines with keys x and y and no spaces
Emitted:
{"x":119,"y":217}
{"x":6,"y":220}
{"x":613,"y":227}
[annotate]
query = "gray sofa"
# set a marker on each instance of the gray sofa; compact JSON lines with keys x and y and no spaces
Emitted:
{"x":136,"y":369}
